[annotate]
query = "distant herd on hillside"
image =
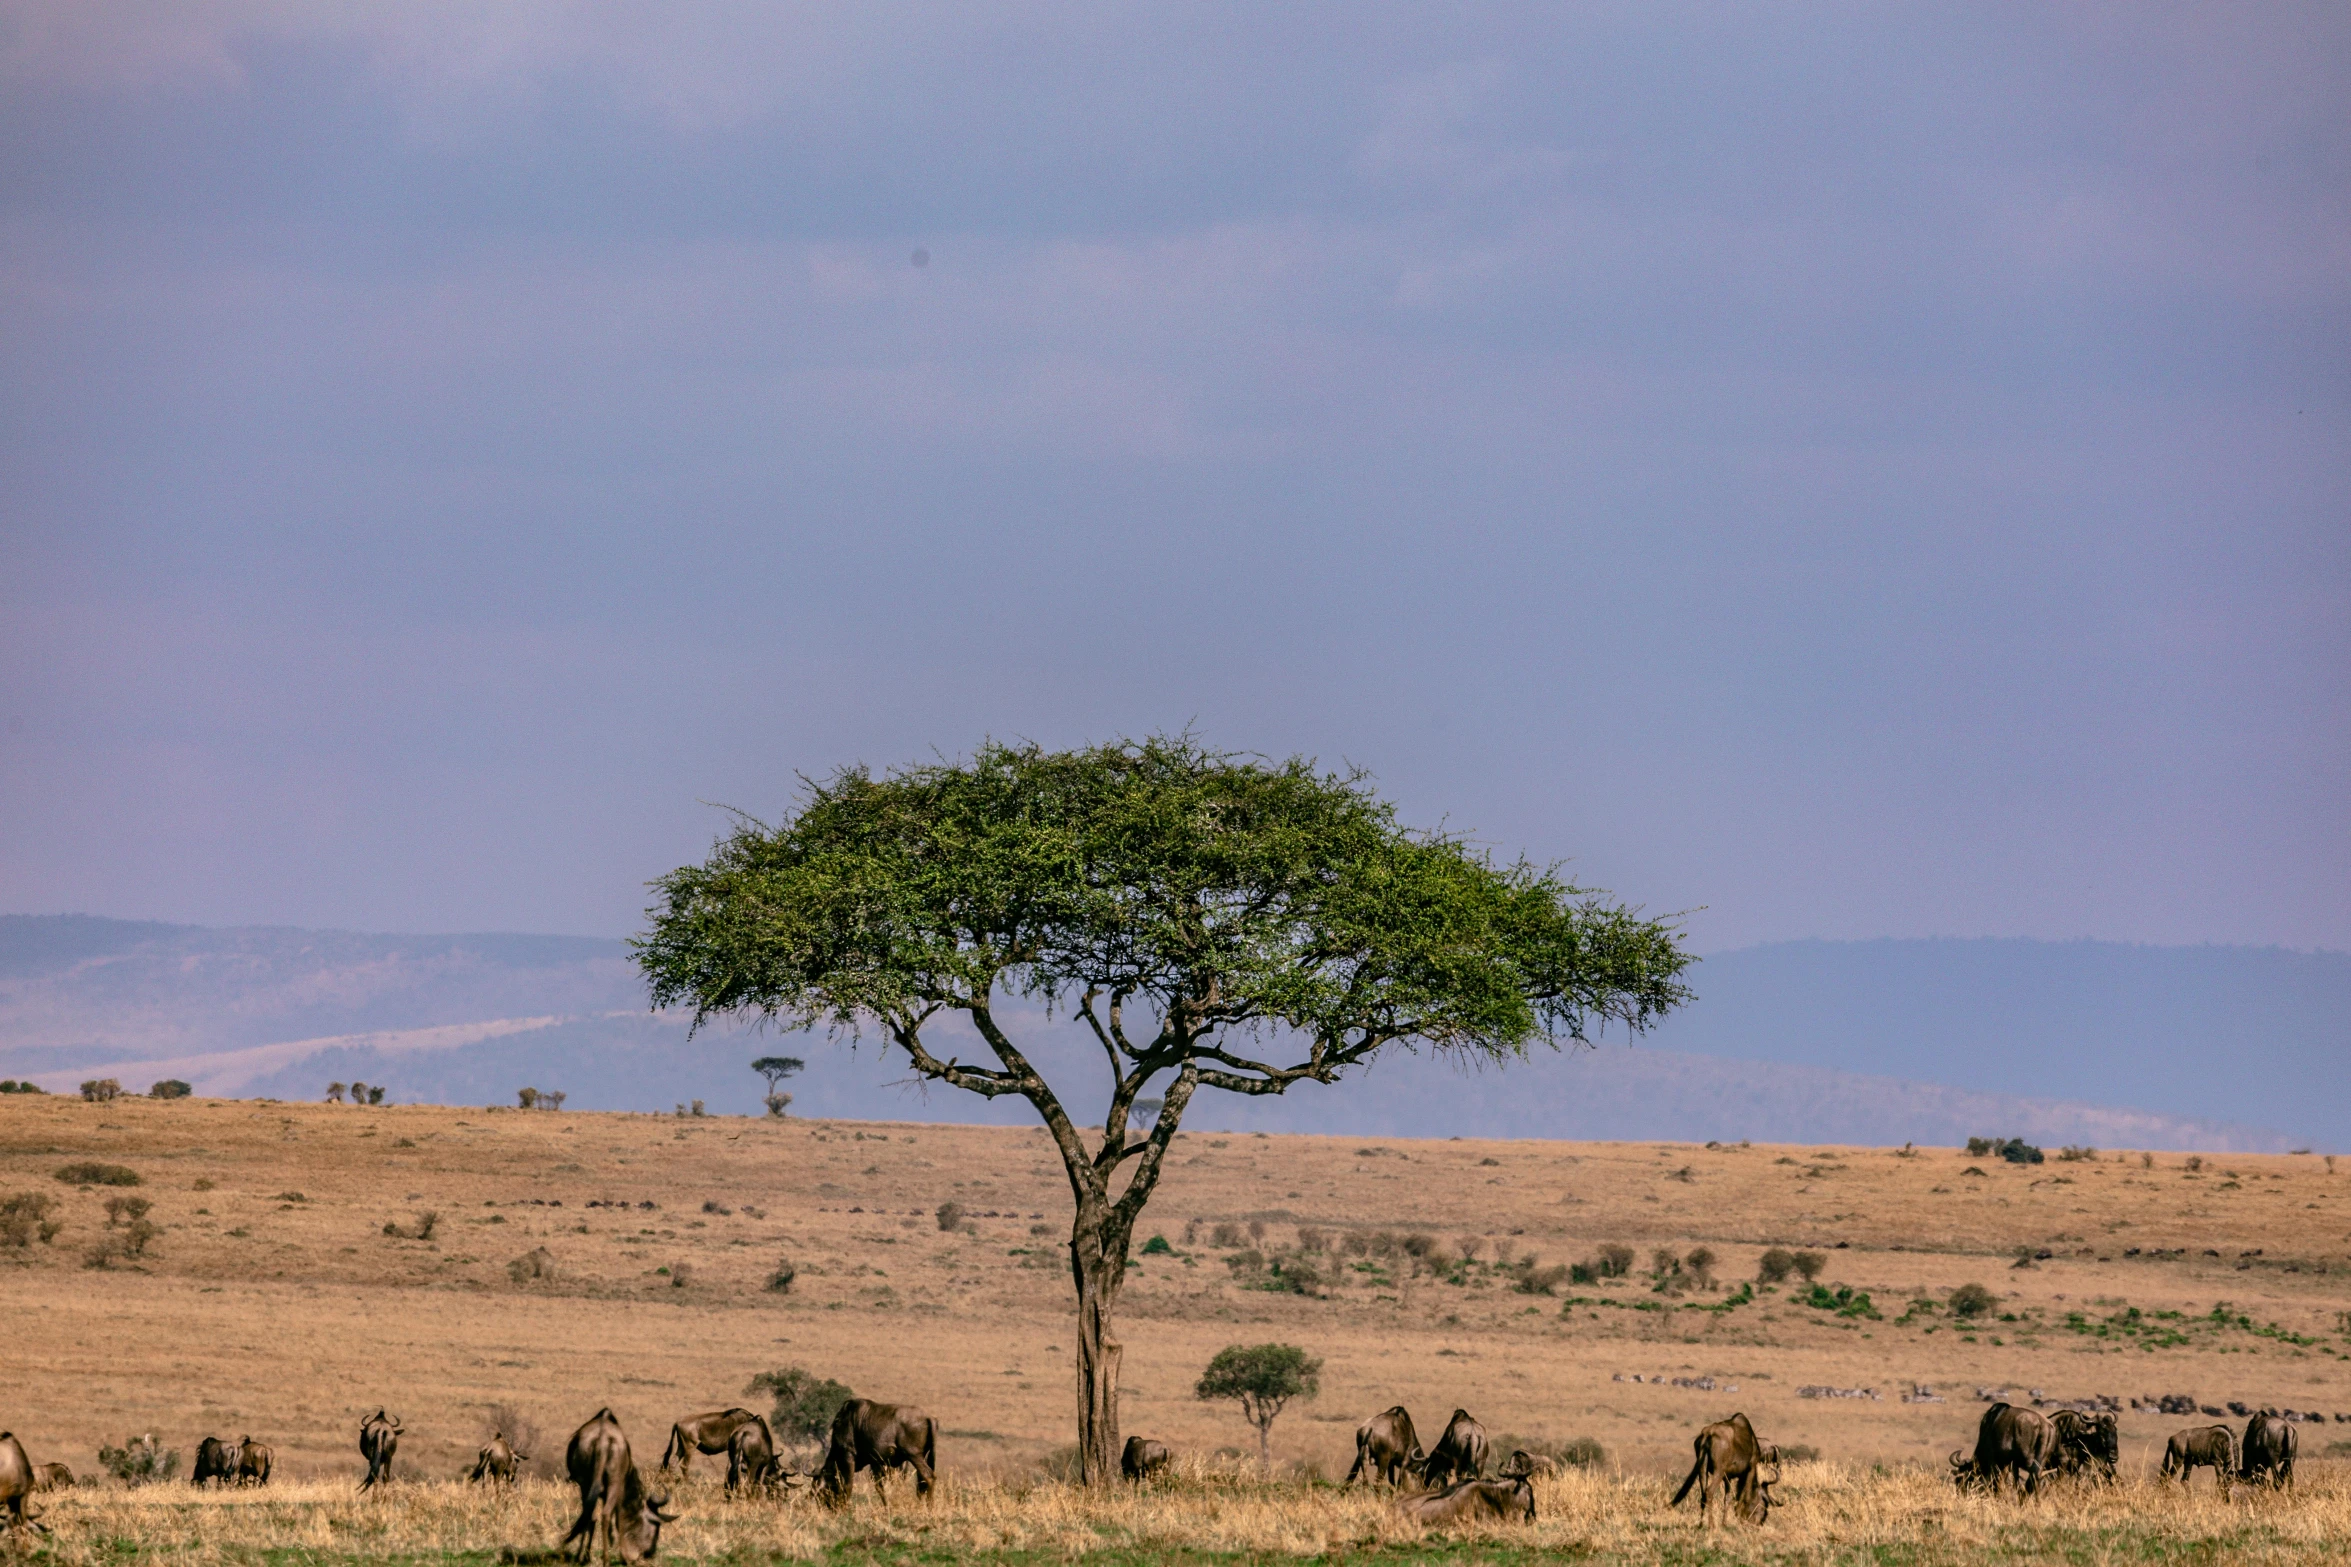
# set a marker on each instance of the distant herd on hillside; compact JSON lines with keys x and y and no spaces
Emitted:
{"x":2016,"y":1449}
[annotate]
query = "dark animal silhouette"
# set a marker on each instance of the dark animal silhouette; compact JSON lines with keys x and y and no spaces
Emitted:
{"x":2266,"y":1455}
{"x":880,"y":1437}
{"x":1522,"y":1462}
{"x":52,"y":1477}
{"x":2087,"y":1444}
{"x":615,"y":1506}
{"x":253,"y":1462}
{"x":708,"y":1432}
{"x":1728,"y":1454}
{"x":751,"y":1460}
{"x":1460,"y":1454}
{"x":2201,"y":1447}
{"x":1510,"y":1500}
{"x":498,"y":1462}
{"x":214,"y":1462}
{"x":16,"y":1484}
{"x":2012,"y":1444}
{"x":379,"y":1439}
{"x":1143,"y":1458}
{"x":1387,"y":1448}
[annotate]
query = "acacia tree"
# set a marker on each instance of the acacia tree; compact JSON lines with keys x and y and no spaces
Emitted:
{"x":1264,"y":1377}
{"x":1210,"y":921}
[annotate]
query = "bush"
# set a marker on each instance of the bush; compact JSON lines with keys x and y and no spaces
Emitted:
{"x":26,"y":1216}
{"x":1583,"y":1272}
{"x":90,"y":1172}
{"x":1701,"y":1263}
{"x":2017,"y":1151}
{"x":2077,"y":1153}
{"x":1972,"y":1300}
{"x":1246,"y":1264}
{"x":1774,"y":1266}
{"x":1977,"y":1147}
{"x":132,"y":1208}
{"x":681,"y":1274}
{"x":422,"y":1230}
{"x":805,"y":1403}
{"x":139,"y":1461}
{"x":1809,"y":1264}
{"x":780,"y":1281}
{"x":1157,"y":1246}
{"x":1615,"y":1261}
{"x":1309,"y":1239}
{"x":98,"y":1090}
{"x":531,"y":1267}
{"x":1533,"y":1280}
{"x":170,"y":1088}
{"x":9,"y":1085}
{"x":950,"y":1214}
{"x":1225,"y":1235}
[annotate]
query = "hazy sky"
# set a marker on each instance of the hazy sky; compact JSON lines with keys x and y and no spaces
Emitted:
{"x":1865,"y":470}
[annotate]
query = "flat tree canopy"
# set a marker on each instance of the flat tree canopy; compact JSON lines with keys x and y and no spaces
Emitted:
{"x":1264,"y":1377}
{"x":1211,"y":921}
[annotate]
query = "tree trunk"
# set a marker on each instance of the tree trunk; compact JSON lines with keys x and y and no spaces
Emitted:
{"x":1099,"y":1262}
{"x":1265,"y":1447}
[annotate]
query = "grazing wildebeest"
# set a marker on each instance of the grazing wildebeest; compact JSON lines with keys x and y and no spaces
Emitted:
{"x":497,"y":1463}
{"x":2010,"y":1443}
{"x":708,"y":1432}
{"x":1509,"y":1500}
{"x":1460,"y":1454}
{"x":379,"y":1439}
{"x":52,"y":1477}
{"x":1143,"y":1458}
{"x":2266,"y":1455}
{"x":16,"y":1483}
{"x":253,"y":1461}
{"x":214,"y":1461}
{"x":2087,"y":1443}
{"x":752,"y":1461}
{"x":2198,"y":1447}
{"x":613,"y":1499}
{"x":1387,"y":1448}
{"x":1522,"y":1462}
{"x":880,"y":1437}
{"x":1728,"y":1453}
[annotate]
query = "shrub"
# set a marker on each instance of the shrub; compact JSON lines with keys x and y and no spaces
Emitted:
{"x":1663,"y":1262}
{"x":98,"y":1090}
{"x":1972,"y":1300}
{"x":532,"y":1266}
{"x":1225,"y":1235}
{"x":1246,"y":1264}
{"x":170,"y":1088}
{"x":681,"y":1274}
{"x":1977,"y":1147}
{"x":1470,"y":1246}
{"x":132,"y":1208}
{"x":1775,"y":1265}
{"x":1418,"y":1247}
{"x":2017,"y":1151}
{"x":1309,"y":1239}
{"x":9,"y":1085}
{"x":25,"y":1216}
{"x":139,"y":1461}
{"x":779,"y":1282}
{"x":2192,"y":1163}
{"x":1293,"y":1275}
{"x":950,"y":1214}
{"x":805,"y":1403}
{"x":2077,"y":1153}
{"x":1809,"y":1263}
{"x":1583,"y":1272}
{"x":1615,"y":1261}
{"x":1157,"y":1246}
{"x":713,"y":1205}
{"x":90,"y":1172}
{"x":1533,"y":1280}
{"x":527,"y":1098}
{"x":1701,"y":1263}
{"x":421,"y":1230}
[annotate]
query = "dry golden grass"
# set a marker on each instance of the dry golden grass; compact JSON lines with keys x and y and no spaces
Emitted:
{"x":289,"y":1319}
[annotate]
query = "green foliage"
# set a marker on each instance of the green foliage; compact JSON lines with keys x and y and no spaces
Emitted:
{"x":1263,"y":1377}
{"x":1774,"y":1266}
{"x":1843,"y":1300}
{"x":805,"y":1403}
{"x":1972,"y":1300}
{"x":9,"y":1085}
{"x":1615,"y":1261}
{"x":1157,"y":1246}
{"x":2015,"y":1150}
{"x":92,"y":1172}
{"x":170,"y":1088}
{"x":949,"y":1214}
{"x":1808,"y":1264}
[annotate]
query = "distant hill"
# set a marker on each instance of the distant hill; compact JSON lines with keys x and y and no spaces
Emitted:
{"x":1865,"y":1042}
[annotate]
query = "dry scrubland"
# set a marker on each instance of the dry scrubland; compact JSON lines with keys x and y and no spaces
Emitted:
{"x":272,"y":1301}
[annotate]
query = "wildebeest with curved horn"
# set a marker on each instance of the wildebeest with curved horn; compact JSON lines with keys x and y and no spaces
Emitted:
{"x":708,"y":1432}
{"x":1387,"y":1448}
{"x":2087,"y":1443}
{"x":16,"y":1483}
{"x":614,"y":1502}
{"x":1142,"y":1458}
{"x":1509,"y":1500}
{"x":253,"y":1462}
{"x":2266,"y":1455}
{"x":1729,"y":1454}
{"x":2010,"y":1443}
{"x":379,"y":1439}
{"x":497,"y":1462}
{"x":214,"y":1462}
{"x":1460,"y":1454}
{"x":751,"y":1460}
{"x":880,"y":1437}
{"x":2200,"y":1447}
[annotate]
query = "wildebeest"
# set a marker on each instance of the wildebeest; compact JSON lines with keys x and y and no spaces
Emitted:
{"x":1387,"y":1448}
{"x":52,"y":1477}
{"x":253,"y":1461}
{"x":214,"y":1461}
{"x":880,"y":1437}
{"x":751,"y":1459}
{"x":497,"y":1462}
{"x":1460,"y":1454}
{"x":2010,"y":1443}
{"x":708,"y":1432}
{"x":613,"y":1499}
{"x":1143,"y":1458}
{"x":379,"y":1439}
{"x":16,"y":1483}
{"x":1510,"y":1500}
{"x":2266,"y":1455}
{"x":1728,"y":1453}
{"x":2199,"y":1447}
{"x":1522,"y":1462}
{"x":2089,"y":1443}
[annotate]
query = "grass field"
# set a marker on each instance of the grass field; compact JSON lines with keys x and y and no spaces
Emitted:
{"x":272,"y":1301}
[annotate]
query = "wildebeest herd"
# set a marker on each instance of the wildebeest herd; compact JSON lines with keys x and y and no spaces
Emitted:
{"x":2016,"y":1448}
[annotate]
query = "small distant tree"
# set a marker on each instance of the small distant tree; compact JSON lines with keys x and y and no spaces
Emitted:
{"x":1264,"y":1377}
{"x":98,"y":1090}
{"x":1809,"y":1263}
{"x":528,"y":1098}
{"x":553,"y":1098}
{"x":358,"y":1093}
{"x":775,"y":1069}
{"x":335,"y":1092}
{"x":1775,"y":1265}
{"x":1972,"y":1300}
{"x":375,"y":1094}
{"x":170,"y":1088}
{"x":805,"y":1403}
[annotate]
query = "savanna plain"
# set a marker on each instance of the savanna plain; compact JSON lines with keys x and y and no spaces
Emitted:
{"x":298,"y":1266}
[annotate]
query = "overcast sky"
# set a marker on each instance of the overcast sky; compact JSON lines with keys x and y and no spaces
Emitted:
{"x":1859,"y":470}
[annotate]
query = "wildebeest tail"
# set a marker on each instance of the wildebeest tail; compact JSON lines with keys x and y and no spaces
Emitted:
{"x":1697,"y":1468}
{"x":930,"y":1442}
